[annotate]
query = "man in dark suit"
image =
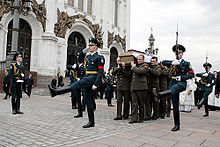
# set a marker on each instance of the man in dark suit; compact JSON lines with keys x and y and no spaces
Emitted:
{"x":217,"y":87}
{"x":29,"y":83}
{"x":6,"y":84}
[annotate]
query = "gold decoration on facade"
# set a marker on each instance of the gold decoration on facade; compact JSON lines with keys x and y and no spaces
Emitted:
{"x":40,"y":12}
{"x":64,"y":21}
{"x":116,"y":38}
{"x":3,"y":9}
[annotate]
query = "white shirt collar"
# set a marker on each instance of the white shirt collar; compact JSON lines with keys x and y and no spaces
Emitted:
{"x":89,"y":53}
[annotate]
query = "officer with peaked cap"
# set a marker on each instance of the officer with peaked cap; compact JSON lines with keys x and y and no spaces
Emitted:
{"x":16,"y":73}
{"x":94,"y":67}
{"x":207,"y":82}
{"x":181,"y":71}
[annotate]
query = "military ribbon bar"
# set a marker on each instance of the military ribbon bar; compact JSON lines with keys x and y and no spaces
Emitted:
{"x":101,"y":67}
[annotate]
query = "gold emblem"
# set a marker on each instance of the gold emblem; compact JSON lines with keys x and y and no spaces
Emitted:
{"x":102,"y":61}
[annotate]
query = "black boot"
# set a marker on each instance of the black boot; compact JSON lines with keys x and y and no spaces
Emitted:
{"x":91,"y":122}
{"x":162,"y":93}
{"x":201,"y":102}
{"x":176,"y":121}
{"x":58,"y":91}
{"x":78,"y":115}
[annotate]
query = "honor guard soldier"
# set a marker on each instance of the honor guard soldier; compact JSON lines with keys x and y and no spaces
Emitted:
{"x":180,"y":71}
{"x":73,"y":79}
{"x":16,"y":73}
{"x":94,"y":67}
{"x":110,"y":82}
{"x":207,"y":82}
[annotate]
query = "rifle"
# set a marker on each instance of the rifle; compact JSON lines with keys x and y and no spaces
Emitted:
{"x":177,"y":49}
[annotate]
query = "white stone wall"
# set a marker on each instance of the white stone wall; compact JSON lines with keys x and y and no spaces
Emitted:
{"x":49,"y":52}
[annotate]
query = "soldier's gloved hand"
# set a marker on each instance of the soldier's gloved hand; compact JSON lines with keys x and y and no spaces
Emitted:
{"x":22,"y":75}
{"x":94,"y":87}
{"x":178,"y":78}
{"x":208,"y":85}
{"x":77,"y":79}
{"x":85,"y":50}
{"x":205,"y":75}
{"x":175,"y":62}
{"x":74,"y":66}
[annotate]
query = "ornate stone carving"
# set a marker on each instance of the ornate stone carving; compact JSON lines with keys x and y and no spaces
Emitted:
{"x":116,"y":38}
{"x":40,"y":12}
{"x":65,"y":21}
{"x":110,"y":38}
{"x":3,"y":9}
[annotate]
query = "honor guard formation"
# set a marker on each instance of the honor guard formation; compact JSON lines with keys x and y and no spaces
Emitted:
{"x":144,"y":91}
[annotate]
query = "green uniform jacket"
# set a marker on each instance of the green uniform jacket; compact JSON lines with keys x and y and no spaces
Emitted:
{"x":139,"y":77}
{"x":164,"y":79}
{"x":123,"y":78}
{"x":154,"y":77}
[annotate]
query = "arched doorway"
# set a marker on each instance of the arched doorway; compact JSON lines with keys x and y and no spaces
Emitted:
{"x":76,"y":43}
{"x":113,"y":57}
{"x":24,"y":41}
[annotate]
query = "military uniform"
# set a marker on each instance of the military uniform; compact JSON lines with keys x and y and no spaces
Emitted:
{"x":179,"y":74}
{"x":207,"y":83}
{"x":6,"y":85}
{"x":16,"y":73}
{"x":138,"y":91}
{"x":94,"y":67}
{"x":123,"y":90}
{"x":163,"y":87}
{"x":154,"y":82}
{"x":74,"y":95}
{"x":110,"y":82}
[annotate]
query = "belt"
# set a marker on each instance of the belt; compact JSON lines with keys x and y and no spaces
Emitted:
{"x":91,"y":72}
{"x":173,"y":77}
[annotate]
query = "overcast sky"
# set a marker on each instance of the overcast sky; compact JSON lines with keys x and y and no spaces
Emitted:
{"x":199,"y":28}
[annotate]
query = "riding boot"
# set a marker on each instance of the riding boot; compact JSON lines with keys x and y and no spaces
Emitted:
{"x":58,"y":91}
{"x":201,"y":102}
{"x":176,"y":121}
{"x":162,"y":93}
{"x":91,"y":122}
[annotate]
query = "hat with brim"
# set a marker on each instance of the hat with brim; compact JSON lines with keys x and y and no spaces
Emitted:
{"x":93,"y":41}
{"x":207,"y":65}
{"x":17,"y":54}
{"x":180,"y":47}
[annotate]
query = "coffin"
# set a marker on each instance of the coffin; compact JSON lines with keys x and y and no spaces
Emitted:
{"x":126,"y":57}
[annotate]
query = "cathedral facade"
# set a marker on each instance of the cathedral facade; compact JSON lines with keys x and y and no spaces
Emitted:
{"x":54,"y":31}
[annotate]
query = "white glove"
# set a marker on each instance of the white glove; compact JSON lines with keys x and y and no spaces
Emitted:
{"x":74,"y":66}
{"x":77,"y":79}
{"x":208,"y":85}
{"x":85,"y":50}
{"x":178,"y":78}
{"x":22,"y":75}
{"x":175,"y":62}
{"x":94,"y":87}
{"x":205,"y":75}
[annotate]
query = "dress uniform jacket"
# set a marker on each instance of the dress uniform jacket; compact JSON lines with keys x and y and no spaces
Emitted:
{"x":94,"y":68}
{"x":15,"y":73}
{"x":184,"y":70}
{"x":207,"y":87}
{"x":110,"y":82}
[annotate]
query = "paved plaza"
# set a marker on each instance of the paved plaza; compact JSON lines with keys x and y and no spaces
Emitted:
{"x":50,"y":122}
